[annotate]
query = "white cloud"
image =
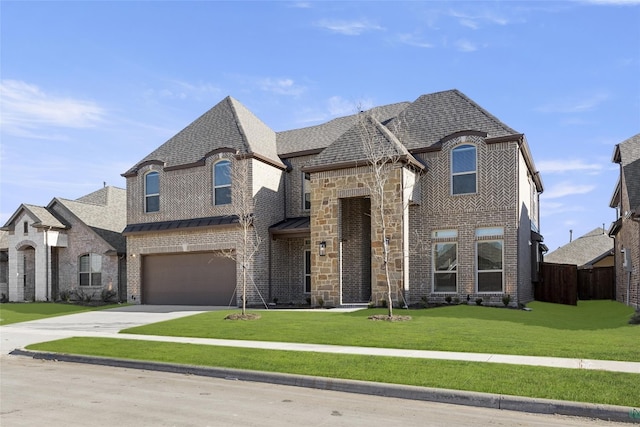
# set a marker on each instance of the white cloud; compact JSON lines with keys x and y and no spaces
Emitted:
{"x":571,"y":105}
{"x":475,"y":21}
{"x":178,"y":89}
{"x":565,"y":188}
{"x":412,"y":40}
{"x":466,"y":46}
{"x":563,"y":166}
{"x":281,"y":86}
{"x":339,"y":106}
{"x":348,"y":28}
{"x":27,"y":110}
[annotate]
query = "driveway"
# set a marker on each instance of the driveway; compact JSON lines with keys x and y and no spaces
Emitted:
{"x":100,"y":323}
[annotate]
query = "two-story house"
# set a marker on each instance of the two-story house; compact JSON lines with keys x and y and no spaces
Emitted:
{"x":68,"y":245}
{"x":461,"y":203}
{"x":626,"y":229}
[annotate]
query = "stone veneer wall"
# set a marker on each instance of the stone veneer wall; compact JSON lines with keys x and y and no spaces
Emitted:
{"x":327,"y":189}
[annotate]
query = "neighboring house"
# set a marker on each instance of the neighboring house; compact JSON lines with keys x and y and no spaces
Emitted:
{"x":67,"y":245}
{"x":462,"y":202}
{"x":594,"y":249}
{"x":626,"y":229}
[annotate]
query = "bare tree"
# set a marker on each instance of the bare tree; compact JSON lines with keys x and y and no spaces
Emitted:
{"x":244,"y":206}
{"x":386,"y":157}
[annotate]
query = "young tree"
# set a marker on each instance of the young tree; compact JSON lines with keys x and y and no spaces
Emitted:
{"x":386,"y":158}
{"x":244,"y":206}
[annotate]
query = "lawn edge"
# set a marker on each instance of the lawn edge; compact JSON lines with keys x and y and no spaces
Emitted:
{"x":456,"y":397}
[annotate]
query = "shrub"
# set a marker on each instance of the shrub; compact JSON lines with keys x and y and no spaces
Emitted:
{"x":506,"y":299}
{"x":635,"y":319}
{"x":320,"y":302}
{"x":4,"y":298}
{"x":456,"y":300}
{"x":82,"y":295}
{"x":65,"y":295}
{"x":478,"y":301}
{"x":447,"y":299}
{"x":107,"y":295}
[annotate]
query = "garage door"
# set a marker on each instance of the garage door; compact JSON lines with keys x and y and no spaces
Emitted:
{"x":188,"y":279}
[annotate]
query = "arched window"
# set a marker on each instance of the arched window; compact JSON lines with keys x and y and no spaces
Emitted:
{"x":152,"y":192}
{"x":90,"y":270}
{"x":463,"y":170}
{"x":222,"y":183}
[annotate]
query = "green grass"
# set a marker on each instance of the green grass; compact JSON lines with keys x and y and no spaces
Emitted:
{"x":23,"y":312}
{"x":551,"y":383}
{"x":591,"y":330}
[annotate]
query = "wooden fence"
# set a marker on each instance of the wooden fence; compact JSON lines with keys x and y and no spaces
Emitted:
{"x":565,"y":284}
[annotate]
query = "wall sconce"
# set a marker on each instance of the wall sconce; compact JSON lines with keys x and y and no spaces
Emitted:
{"x":323,"y":248}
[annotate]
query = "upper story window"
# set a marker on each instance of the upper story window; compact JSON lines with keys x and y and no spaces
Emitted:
{"x":306,"y":191}
{"x":90,"y":270}
{"x":222,"y":183}
{"x":152,"y":192}
{"x":25,"y":226}
{"x":463,"y":170}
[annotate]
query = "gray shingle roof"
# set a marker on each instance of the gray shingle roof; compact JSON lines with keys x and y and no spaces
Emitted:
{"x":228,"y":124}
{"x":584,"y":250}
{"x":353,"y":145}
{"x":630,"y":161}
{"x":321,"y":136}
{"x":432,"y":117}
{"x":43,"y":217}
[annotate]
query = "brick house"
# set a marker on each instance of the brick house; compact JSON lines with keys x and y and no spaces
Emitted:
{"x":461,"y":197}
{"x":64,"y":246}
{"x":626,"y":229}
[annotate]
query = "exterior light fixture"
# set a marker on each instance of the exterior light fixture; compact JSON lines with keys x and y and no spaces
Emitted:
{"x":323,"y":248}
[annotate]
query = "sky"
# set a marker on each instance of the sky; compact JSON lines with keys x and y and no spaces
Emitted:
{"x":88,"y":88}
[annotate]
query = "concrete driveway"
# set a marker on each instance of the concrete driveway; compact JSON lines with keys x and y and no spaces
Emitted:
{"x":100,"y":323}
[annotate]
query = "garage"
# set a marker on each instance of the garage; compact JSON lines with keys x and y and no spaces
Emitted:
{"x":188,"y":279}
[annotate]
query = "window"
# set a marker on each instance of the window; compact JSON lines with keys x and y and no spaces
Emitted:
{"x":446,"y":265}
{"x":307,"y":271}
{"x":463,"y":170}
{"x":306,"y":191}
{"x":25,"y":227}
{"x":90,"y":270}
{"x":152,"y":192}
{"x":489,"y":262}
{"x":222,"y":183}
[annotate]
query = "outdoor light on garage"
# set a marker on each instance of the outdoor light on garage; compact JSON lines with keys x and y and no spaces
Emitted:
{"x":323,"y":248}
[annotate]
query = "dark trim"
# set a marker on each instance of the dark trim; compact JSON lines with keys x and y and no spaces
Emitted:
{"x":220,"y":150}
{"x":301,"y":153}
{"x":430,"y":149}
{"x":262,"y":159}
{"x":291,"y":228}
{"x":407,"y":159}
{"x":516,"y":137}
{"x":615,"y":227}
{"x":169,"y":226}
{"x":134,"y":172}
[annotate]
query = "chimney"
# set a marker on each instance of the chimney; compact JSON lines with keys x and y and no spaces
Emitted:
{"x":570,"y":236}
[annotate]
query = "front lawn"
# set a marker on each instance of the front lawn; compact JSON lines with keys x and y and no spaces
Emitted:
{"x":532,"y":381}
{"x":591,"y":330}
{"x":25,"y":311}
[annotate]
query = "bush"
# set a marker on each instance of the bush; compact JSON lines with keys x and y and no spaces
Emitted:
{"x":107,"y":295}
{"x":478,"y":301}
{"x":456,"y":300}
{"x":635,"y":319}
{"x":447,"y":299}
{"x":82,"y":295}
{"x":320,"y":302}
{"x":506,"y":300}
{"x":65,"y":295}
{"x":4,"y":298}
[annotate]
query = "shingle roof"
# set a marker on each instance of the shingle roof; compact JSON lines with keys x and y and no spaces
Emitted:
{"x":584,"y":250}
{"x":630,"y":162}
{"x":228,"y":124}
{"x":41,"y":217}
{"x":432,"y":117}
{"x":321,"y":136}
{"x":366,"y":137}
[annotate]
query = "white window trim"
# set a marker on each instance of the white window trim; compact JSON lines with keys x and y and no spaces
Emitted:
{"x":475,"y":171}
{"x":489,"y":271}
{"x":435,"y":271}
{"x":215,"y":186}
{"x":147,"y":195}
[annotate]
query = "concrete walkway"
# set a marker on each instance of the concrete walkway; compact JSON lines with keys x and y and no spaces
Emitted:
{"x":107,"y":323}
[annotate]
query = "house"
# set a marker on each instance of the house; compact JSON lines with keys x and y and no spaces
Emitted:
{"x":68,"y":245}
{"x":594,"y":249}
{"x":626,"y":229}
{"x":461,"y":199}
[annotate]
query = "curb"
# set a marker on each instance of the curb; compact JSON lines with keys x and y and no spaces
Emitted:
{"x":456,"y":397}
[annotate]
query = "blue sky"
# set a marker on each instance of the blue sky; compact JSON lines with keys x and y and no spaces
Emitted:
{"x":90,"y":88}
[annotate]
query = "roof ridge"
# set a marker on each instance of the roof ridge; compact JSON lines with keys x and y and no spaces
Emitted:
{"x":482,"y":110}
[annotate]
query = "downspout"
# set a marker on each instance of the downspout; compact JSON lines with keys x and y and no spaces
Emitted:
{"x":46,"y":257}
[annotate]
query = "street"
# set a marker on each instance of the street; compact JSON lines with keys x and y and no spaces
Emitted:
{"x":37,"y":392}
